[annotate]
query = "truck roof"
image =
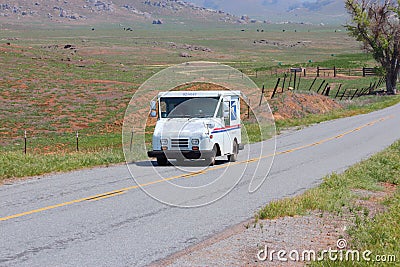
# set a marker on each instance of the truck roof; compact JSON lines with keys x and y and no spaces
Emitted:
{"x":199,"y":93}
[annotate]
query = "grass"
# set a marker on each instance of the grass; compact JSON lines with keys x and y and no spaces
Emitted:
{"x":379,"y":234}
{"x":334,"y":193}
{"x":362,"y":105}
{"x":16,"y":164}
{"x":253,"y":133}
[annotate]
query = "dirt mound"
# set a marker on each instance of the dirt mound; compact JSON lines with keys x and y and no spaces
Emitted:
{"x":290,"y":105}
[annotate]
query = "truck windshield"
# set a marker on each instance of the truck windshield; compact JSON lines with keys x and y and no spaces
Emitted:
{"x":188,"y":107}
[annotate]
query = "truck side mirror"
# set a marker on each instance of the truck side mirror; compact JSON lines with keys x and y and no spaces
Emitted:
{"x":153,"y":109}
{"x":153,"y":105}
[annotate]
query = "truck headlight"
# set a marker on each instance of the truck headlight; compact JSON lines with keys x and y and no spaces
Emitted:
{"x":164,"y":142}
{"x":195,"y":142}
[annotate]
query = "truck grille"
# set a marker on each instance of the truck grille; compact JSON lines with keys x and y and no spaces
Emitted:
{"x":180,"y":143}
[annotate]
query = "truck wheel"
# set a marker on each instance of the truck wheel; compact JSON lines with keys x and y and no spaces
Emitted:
{"x":233,"y":156}
{"x":162,"y":161}
{"x":211,"y":160}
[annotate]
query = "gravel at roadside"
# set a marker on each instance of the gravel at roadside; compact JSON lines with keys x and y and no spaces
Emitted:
{"x":240,"y":245}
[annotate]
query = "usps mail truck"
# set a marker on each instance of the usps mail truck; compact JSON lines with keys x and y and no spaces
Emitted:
{"x":196,"y":125}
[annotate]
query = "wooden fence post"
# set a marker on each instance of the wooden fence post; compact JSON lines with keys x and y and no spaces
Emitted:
{"x":25,"y":142}
{"x":320,"y":86}
{"x":323,"y":91}
{"x":363,"y":91}
{"x":248,"y":110}
{"x":337,"y":93}
{"x":354,"y":95}
{"x":276,"y":87}
{"x":328,"y":90}
{"x":295,"y":80}
{"x":344,"y":93}
{"x":131,"y":143}
{"x":77,"y":141}
{"x":284,"y":81}
{"x":262,"y":94}
{"x":315,"y":79}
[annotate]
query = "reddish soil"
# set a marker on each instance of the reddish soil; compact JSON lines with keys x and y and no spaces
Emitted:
{"x":290,"y":105}
{"x":103,"y":82}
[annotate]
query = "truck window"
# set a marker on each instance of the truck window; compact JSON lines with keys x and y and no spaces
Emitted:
{"x":163,"y":107}
{"x":184,"y":107}
{"x":234,"y":110}
{"x":227,"y":118}
{"x":220,"y":113}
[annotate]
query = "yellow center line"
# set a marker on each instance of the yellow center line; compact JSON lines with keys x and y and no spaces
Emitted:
{"x":187,"y":176}
{"x":107,"y":196}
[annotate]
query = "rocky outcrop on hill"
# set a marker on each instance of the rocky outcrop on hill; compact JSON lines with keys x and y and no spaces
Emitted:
{"x":55,"y":9}
{"x":74,"y":10}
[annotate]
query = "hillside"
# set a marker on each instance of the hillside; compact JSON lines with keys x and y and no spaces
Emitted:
{"x":306,"y":11}
{"x":70,"y":11}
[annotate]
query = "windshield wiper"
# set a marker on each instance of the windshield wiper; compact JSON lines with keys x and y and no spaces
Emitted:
{"x":179,"y":116}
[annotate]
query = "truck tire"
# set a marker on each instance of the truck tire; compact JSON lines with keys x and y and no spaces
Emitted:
{"x":162,"y":161}
{"x":235,"y":150}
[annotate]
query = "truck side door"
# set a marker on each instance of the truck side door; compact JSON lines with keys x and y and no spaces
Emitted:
{"x":235,"y":131}
{"x":227,"y":141}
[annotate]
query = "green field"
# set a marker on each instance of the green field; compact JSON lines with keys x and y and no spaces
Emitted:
{"x":338,"y":195}
{"x":59,"y":79}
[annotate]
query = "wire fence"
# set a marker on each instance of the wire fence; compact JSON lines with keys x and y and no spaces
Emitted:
{"x":314,"y":71}
{"x":31,"y":141}
{"x":286,"y":80}
{"x":321,"y":86}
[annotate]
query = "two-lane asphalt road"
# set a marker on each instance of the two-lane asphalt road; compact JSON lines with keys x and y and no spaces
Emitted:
{"x":100,"y":217}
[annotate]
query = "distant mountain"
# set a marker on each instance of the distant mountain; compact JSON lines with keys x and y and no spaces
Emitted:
{"x":71,"y":11}
{"x":306,"y":11}
{"x":161,"y":11}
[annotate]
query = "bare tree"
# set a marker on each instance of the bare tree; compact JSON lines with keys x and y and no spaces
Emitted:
{"x":376,"y":24}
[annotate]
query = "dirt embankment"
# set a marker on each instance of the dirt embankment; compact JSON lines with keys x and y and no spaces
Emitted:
{"x":291,"y":105}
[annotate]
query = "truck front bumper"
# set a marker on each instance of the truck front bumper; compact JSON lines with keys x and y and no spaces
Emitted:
{"x":181,"y":154}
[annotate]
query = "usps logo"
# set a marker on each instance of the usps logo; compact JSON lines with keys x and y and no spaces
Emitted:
{"x":233,"y":110}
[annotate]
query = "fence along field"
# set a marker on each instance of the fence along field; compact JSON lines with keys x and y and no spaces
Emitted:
{"x":324,"y":81}
{"x":337,"y":83}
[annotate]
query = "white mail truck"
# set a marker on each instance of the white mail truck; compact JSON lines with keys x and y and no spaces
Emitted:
{"x":196,"y":125}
